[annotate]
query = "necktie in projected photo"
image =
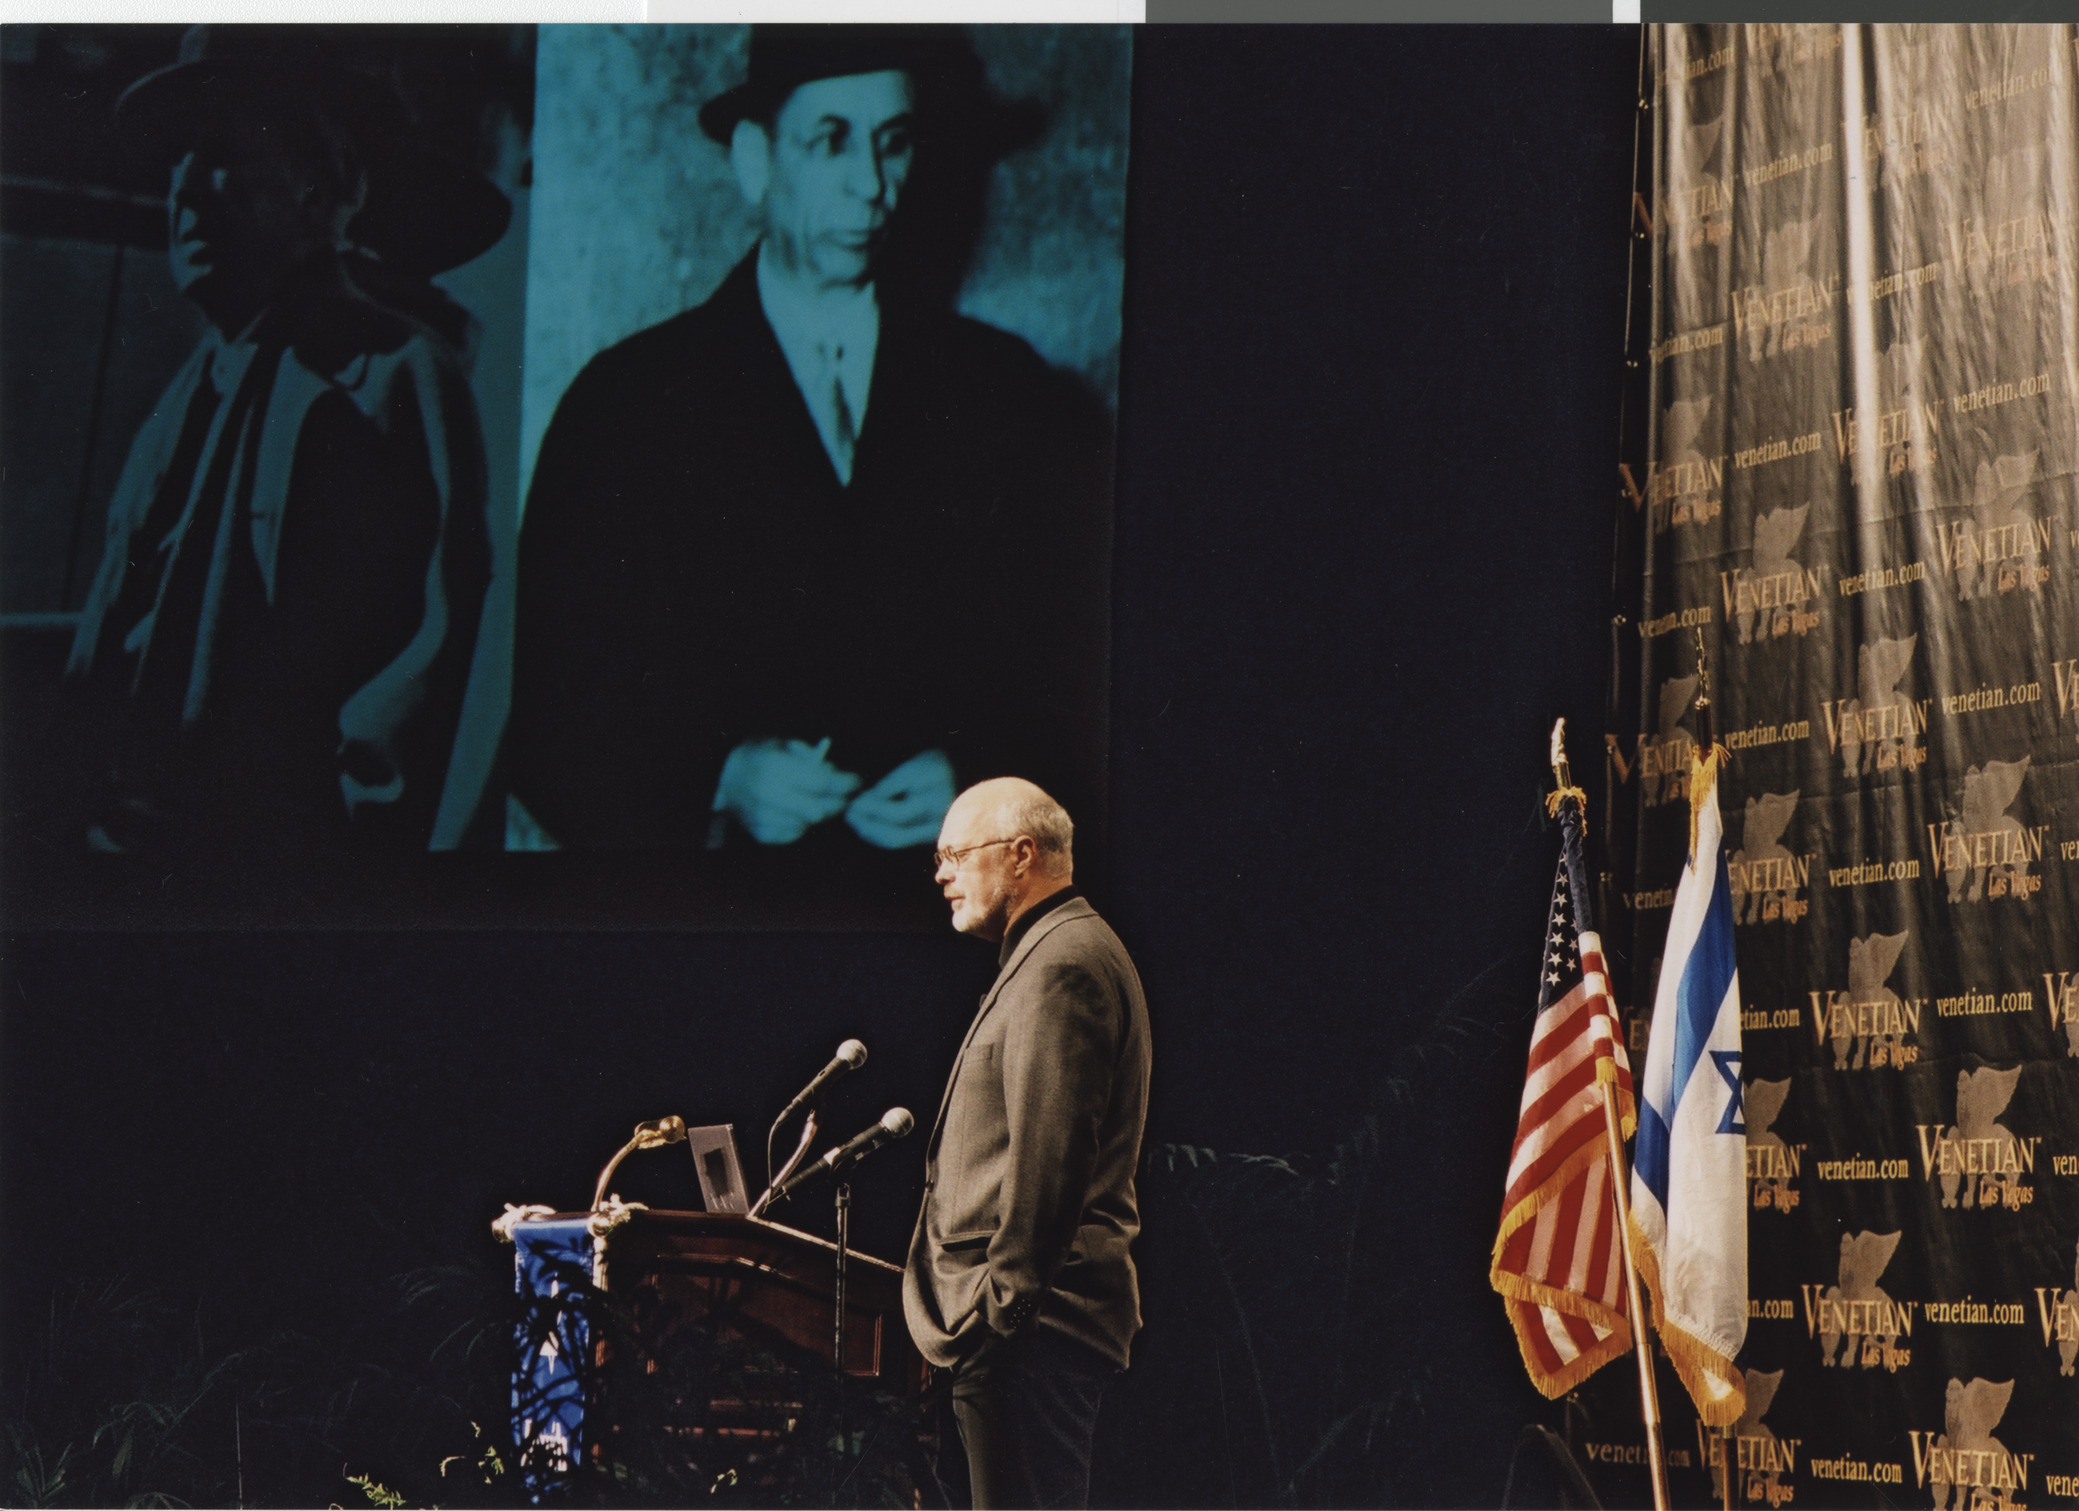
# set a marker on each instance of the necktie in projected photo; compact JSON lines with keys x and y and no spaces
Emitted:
{"x":1557,"y":1258}
{"x":844,"y":433}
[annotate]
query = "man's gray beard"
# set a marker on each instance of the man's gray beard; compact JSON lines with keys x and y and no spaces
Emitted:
{"x":995,"y":921}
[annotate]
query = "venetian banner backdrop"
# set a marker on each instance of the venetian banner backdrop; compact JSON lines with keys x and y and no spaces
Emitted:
{"x":1859,"y":500}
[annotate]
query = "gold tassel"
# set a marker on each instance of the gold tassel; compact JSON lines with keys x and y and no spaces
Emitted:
{"x":1559,"y":795}
{"x":1703,"y":773}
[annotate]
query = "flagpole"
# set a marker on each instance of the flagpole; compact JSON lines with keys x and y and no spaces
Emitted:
{"x":1649,"y":1394}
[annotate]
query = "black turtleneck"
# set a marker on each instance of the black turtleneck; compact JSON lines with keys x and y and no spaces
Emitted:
{"x":1022,"y":925}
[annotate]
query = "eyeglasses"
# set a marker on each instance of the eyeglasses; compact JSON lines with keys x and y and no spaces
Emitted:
{"x":954,"y":857}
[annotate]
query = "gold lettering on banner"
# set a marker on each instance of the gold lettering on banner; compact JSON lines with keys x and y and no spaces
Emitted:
{"x":1760,"y":1458}
{"x":1978,"y":1156}
{"x":2012,"y":250}
{"x":1857,"y":1167}
{"x":1965,"y":1456}
{"x":1701,"y":339}
{"x":1893,"y":1018}
{"x":2002,"y":849}
{"x":1768,"y":734}
{"x":1845,"y":1468}
{"x":1772,"y":884}
{"x":1747,"y":594}
{"x":1765,"y":876}
{"x":1772,"y":1165}
{"x":2006,"y":556}
{"x":1786,"y":318}
{"x":1863,"y":873}
{"x":2007,"y":89}
{"x":1788,"y":164}
{"x":1873,"y":736}
{"x":1993,"y":395}
{"x":1770,"y":1170}
{"x":1675,"y":619}
{"x":2061,"y":998}
{"x":1663,"y":759}
{"x":1678,"y":479}
{"x":1855,"y":1319}
{"x":1903,"y":145}
{"x":1698,"y":216}
{"x":1987,"y":848}
{"x":2058,"y":1313}
{"x":1904,"y":437}
{"x":1943,"y":1155}
{"x":1777,"y":874}
{"x":1981,"y":1469}
{"x":1869,"y":1023}
{"x":1848,"y":725}
{"x":1631,"y":1453}
{"x":2003,"y":546}
{"x":1665,"y":756}
{"x":1775,"y":595}
{"x":1858,"y":1312}
{"x":1977,"y":1004}
{"x":1971,"y":1312}
{"x":1697,"y":68}
{"x":1880,"y":579}
{"x":1885,"y":285}
{"x":1773,"y":450}
{"x":2066,"y":676}
{"x":1984,"y":699}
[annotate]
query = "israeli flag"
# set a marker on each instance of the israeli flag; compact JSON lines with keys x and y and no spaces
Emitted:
{"x":1689,"y":1185}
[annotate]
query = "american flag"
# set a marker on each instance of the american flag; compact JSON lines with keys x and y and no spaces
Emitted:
{"x":1557,"y":1259}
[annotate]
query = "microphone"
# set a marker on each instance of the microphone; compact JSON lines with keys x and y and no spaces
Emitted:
{"x":850,"y":1056}
{"x":895,"y":1123}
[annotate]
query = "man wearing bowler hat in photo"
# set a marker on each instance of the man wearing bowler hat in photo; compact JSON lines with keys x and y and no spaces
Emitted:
{"x":273,"y":652}
{"x":799,"y":562}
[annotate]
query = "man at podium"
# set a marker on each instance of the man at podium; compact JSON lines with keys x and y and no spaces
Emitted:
{"x":1020,"y":1278}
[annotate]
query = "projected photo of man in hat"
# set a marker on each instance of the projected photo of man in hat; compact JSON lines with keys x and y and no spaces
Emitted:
{"x":273,"y":651}
{"x":800,"y":562}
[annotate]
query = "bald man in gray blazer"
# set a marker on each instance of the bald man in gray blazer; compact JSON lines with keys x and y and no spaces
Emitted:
{"x":1020,"y":1278}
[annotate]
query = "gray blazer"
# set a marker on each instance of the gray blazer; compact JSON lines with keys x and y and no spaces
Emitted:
{"x":1028,"y":1177}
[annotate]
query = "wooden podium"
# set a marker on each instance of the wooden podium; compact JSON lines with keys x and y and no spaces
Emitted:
{"x":702,"y":1344}
{"x":772,"y":1287}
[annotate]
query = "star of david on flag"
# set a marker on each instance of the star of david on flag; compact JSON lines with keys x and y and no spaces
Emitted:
{"x":1558,"y":1258}
{"x":1689,"y":1168}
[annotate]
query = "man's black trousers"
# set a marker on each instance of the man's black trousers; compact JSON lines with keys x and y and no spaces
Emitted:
{"x":1026,"y":1407}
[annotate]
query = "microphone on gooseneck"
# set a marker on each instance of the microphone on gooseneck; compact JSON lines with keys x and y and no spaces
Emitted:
{"x":849,"y":1057}
{"x":895,"y":1123}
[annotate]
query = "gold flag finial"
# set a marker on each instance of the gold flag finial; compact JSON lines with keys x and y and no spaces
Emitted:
{"x":1710,"y":755}
{"x":1563,"y":775}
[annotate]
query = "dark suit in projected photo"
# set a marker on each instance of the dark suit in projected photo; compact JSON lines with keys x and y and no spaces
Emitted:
{"x":1021,"y":1280}
{"x":272,"y":655}
{"x":772,"y":545}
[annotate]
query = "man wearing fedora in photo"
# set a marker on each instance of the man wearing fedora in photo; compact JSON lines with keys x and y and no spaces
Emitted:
{"x":273,"y":651}
{"x":800,"y":561}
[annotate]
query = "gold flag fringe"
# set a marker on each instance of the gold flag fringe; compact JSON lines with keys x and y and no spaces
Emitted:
{"x":1627,"y":1112}
{"x":1703,"y":774}
{"x":1559,"y":795}
{"x":1523,"y":1288}
{"x":1555,"y":1385}
{"x":1713,"y":1381}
